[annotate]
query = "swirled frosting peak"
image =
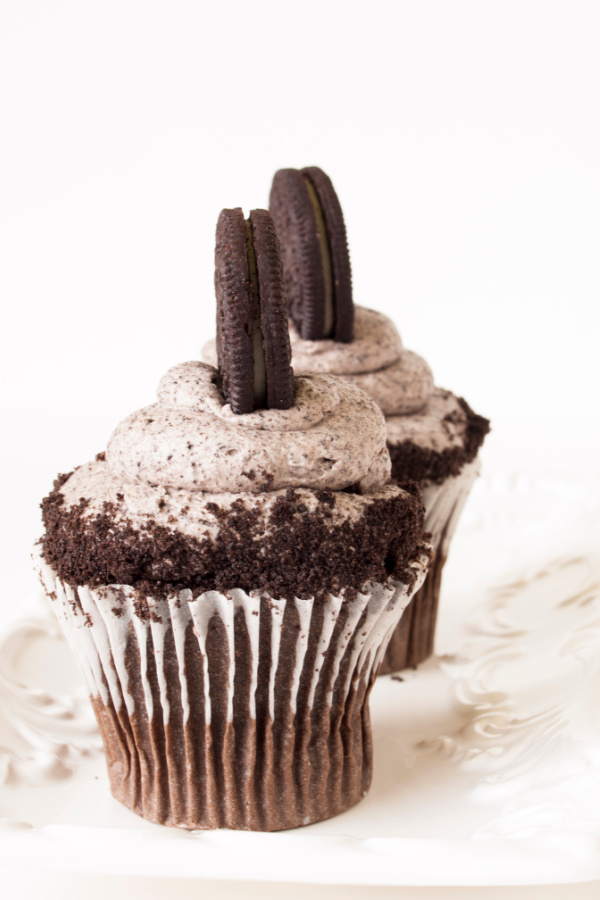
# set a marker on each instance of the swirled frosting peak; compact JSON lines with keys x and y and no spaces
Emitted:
{"x":398,"y":380}
{"x":376,"y":344}
{"x":332,"y":437}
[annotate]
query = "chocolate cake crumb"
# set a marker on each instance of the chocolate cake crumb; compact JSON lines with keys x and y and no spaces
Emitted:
{"x":60,"y":480}
{"x":411,"y":487}
{"x":409,"y":461}
{"x":296,"y":552}
{"x":326,"y":498}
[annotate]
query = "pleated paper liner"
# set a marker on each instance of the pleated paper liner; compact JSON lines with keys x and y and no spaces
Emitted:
{"x":232,"y":711}
{"x":413,"y":639}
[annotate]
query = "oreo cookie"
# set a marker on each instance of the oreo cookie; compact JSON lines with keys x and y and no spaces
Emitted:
{"x":318,"y":279}
{"x":253,"y":345}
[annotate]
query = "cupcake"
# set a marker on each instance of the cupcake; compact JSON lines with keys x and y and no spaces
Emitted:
{"x":433,"y":436}
{"x":229,"y":571}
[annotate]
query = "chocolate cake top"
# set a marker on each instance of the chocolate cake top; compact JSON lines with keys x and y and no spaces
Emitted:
{"x":299,"y":543}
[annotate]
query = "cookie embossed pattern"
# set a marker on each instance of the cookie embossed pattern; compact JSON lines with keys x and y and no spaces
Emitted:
{"x":487,"y":756}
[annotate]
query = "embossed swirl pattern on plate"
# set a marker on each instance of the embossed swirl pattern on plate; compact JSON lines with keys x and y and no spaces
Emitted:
{"x":523,"y":672}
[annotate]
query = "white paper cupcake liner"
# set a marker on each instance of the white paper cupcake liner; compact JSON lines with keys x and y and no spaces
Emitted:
{"x":232,"y":710}
{"x":413,"y":638}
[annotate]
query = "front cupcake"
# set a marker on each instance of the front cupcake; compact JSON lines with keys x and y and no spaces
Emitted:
{"x":433,"y":436}
{"x":228,"y":577}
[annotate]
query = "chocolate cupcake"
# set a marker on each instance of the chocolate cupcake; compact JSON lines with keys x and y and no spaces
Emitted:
{"x":228,"y":580}
{"x":433,"y":436}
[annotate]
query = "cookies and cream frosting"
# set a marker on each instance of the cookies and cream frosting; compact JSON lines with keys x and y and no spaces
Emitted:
{"x":332,"y":437}
{"x":376,"y":344}
{"x":399,"y":380}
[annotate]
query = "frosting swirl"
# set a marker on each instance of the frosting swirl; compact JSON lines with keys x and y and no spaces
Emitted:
{"x":399,"y":380}
{"x":333,"y":437}
{"x":399,"y":390}
{"x":376,"y":344}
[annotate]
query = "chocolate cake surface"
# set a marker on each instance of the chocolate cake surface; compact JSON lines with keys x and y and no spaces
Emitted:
{"x":298,"y":543}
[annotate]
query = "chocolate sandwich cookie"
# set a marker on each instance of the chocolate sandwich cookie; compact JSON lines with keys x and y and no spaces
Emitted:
{"x":318,"y":280}
{"x":253,"y":346}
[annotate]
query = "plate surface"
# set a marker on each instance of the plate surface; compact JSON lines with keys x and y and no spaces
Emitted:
{"x":487,"y":759}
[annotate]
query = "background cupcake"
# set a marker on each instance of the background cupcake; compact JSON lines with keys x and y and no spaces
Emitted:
{"x":228,"y":573}
{"x":433,"y":436}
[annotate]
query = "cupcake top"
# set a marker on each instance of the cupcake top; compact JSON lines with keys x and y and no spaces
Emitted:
{"x":430,"y":431}
{"x":290,"y":502}
{"x":292,"y":498}
{"x":398,"y":380}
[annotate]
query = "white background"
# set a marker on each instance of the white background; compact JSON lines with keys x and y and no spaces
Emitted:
{"x":463,"y":140}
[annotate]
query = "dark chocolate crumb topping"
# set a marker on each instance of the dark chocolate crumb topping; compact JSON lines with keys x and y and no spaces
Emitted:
{"x":60,"y":480}
{"x":409,"y":461}
{"x":295,"y":553}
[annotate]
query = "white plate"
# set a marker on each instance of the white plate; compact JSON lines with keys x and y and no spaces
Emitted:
{"x":487,"y":759}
